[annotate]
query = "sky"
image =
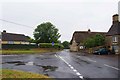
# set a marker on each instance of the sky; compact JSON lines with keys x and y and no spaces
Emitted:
{"x":67,"y":15}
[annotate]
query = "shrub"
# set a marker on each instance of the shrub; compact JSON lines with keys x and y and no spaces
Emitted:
{"x":18,"y":46}
{"x":49,"y":45}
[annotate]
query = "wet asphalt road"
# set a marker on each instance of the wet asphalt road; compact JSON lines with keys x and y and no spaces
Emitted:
{"x":65,"y":64}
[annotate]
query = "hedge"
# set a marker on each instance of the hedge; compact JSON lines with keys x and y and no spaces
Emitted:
{"x":49,"y":45}
{"x":18,"y":46}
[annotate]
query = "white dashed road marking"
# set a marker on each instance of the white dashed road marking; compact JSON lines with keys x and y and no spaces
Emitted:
{"x":74,"y":70}
{"x":111,"y":67}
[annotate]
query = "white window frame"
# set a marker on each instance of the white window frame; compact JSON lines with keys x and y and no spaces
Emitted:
{"x":114,"y":39}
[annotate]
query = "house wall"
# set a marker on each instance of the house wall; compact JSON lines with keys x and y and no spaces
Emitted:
{"x":111,"y":44}
{"x":119,"y":43}
{"x":14,"y":42}
{"x":74,"y":46}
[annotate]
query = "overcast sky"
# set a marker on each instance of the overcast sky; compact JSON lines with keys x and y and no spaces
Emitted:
{"x":67,"y":15}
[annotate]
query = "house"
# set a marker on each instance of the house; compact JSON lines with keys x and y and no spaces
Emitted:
{"x":113,"y":34}
{"x":0,"y":40}
{"x":79,"y":37}
{"x":12,"y":38}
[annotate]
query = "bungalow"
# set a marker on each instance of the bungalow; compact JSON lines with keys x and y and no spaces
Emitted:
{"x":79,"y":37}
{"x":113,"y":35}
{"x":12,"y":38}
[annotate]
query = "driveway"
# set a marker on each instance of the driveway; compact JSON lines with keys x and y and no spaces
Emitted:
{"x":65,"y":64}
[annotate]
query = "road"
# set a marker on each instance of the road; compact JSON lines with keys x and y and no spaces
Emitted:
{"x":65,"y":64}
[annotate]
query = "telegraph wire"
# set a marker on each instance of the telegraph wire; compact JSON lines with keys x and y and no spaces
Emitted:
{"x":16,"y":23}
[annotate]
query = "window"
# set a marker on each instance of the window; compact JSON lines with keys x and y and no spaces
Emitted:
{"x":10,"y":42}
{"x":114,"y":39}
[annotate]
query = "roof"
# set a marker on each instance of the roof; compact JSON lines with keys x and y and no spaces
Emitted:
{"x":13,"y":37}
{"x":115,"y":29}
{"x":80,"y":36}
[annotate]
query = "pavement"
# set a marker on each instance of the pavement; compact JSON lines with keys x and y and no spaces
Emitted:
{"x":65,"y":64}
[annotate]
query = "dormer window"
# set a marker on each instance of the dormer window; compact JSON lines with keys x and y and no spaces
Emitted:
{"x":114,"y":39}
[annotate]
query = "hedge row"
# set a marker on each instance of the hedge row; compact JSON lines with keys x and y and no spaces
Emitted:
{"x":18,"y":46}
{"x":49,"y":45}
{"x":29,"y":46}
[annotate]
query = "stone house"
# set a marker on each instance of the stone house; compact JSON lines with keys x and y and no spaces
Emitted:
{"x":79,"y":37}
{"x":113,"y":35}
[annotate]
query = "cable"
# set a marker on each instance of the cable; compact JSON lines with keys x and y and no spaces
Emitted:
{"x":15,"y":23}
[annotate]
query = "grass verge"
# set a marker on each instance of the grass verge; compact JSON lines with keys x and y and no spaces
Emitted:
{"x":31,"y":51}
{"x":7,"y":73}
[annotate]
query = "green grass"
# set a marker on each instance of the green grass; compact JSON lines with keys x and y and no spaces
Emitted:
{"x":7,"y":73}
{"x":32,"y":51}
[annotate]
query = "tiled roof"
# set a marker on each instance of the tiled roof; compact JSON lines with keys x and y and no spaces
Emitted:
{"x":115,"y":29}
{"x":13,"y":37}
{"x":80,"y":36}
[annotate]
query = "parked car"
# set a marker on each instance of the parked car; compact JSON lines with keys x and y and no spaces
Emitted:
{"x":101,"y":51}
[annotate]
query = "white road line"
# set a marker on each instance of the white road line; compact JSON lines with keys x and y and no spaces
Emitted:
{"x":81,"y":77}
{"x":78,"y":73}
{"x":72,"y":67}
{"x":69,"y":65}
{"x":55,"y":55}
{"x":74,"y":70}
{"x":111,"y":67}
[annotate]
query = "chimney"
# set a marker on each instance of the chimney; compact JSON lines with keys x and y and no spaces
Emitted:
{"x":115,"y":18}
{"x":89,"y":31}
{"x":4,"y":31}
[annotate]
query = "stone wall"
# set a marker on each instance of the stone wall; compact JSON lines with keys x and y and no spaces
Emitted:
{"x":73,"y":46}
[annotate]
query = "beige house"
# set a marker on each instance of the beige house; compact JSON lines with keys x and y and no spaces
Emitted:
{"x":79,"y":37}
{"x":12,"y":38}
{"x":113,"y":35}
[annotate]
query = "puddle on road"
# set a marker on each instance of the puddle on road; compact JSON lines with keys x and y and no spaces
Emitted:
{"x":45,"y":68}
{"x":17,"y":63}
{"x":49,"y":68}
{"x":98,"y":67}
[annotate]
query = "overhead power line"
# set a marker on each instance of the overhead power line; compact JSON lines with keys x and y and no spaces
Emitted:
{"x":16,"y":23}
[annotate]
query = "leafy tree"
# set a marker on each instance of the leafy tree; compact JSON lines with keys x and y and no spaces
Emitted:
{"x":97,"y":40}
{"x":31,"y":40}
{"x":89,"y":43}
{"x":46,"y":33}
{"x":66,"y":44}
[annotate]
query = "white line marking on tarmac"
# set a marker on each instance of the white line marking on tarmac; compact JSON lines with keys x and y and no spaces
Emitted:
{"x":72,"y":67}
{"x":81,"y":77}
{"x":78,"y":73}
{"x":55,"y":55}
{"x":74,"y":70}
{"x":112,"y":67}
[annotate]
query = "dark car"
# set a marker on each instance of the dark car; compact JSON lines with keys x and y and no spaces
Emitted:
{"x":101,"y":51}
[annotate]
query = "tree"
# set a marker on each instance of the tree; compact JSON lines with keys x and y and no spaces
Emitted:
{"x":31,"y":40}
{"x":97,"y":40}
{"x":66,"y":44}
{"x":89,"y":43}
{"x":46,"y":33}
